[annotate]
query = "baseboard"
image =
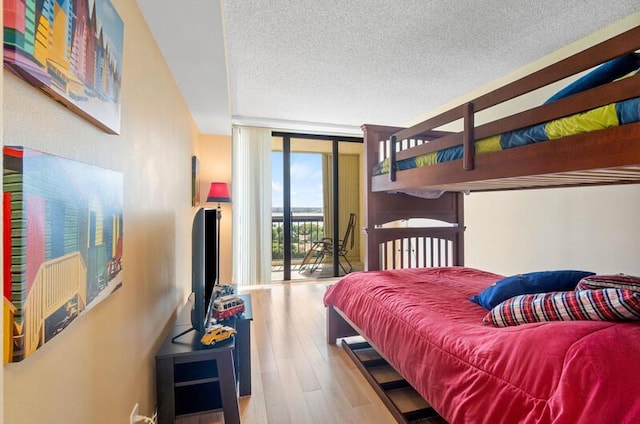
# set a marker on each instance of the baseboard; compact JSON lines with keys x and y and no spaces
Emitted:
{"x":405,"y":404}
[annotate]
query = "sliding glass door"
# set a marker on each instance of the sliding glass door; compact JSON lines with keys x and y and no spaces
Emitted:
{"x":313,"y":182}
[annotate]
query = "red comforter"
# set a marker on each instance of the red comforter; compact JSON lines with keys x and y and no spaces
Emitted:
{"x":554,"y":372}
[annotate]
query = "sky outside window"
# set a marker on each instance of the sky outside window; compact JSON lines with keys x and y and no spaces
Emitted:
{"x":306,"y":180}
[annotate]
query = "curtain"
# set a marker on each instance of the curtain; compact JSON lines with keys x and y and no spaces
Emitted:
{"x":349,"y":188}
{"x":327,"y":194}
{"x":349,"y":195}
{"x":251,"y":206}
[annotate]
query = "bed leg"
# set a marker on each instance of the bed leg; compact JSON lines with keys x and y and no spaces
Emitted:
{"x":332,"y":315}
{"x":337,"y":327}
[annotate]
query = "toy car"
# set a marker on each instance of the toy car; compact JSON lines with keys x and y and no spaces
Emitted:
{"x":217,"y":333}
{"x":227,"y":306}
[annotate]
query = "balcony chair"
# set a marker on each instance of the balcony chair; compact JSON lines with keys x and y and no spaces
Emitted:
{"x":322,"y":249}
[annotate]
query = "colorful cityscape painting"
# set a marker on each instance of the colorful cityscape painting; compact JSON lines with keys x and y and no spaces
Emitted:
{"x":63,"y":235}
{"x":71,"y":49}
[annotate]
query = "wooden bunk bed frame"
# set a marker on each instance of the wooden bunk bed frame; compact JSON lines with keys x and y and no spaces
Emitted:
{"x":609,"y":156}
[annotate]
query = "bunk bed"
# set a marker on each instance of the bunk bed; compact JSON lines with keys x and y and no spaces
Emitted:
{"x":412,"y":304}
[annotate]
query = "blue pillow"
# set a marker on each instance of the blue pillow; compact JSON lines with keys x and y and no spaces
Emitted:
{"x":607,"y":72}
{"x":533,"y":282}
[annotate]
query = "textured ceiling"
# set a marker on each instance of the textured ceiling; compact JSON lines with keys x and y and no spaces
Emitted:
{"x":330,"y":65}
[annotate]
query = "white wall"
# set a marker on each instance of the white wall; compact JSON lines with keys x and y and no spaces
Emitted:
{"x":593,"y":228}
{"x":103,"y":363}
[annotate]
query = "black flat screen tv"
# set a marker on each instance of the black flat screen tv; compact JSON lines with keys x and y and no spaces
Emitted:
{"x":203,"y":267}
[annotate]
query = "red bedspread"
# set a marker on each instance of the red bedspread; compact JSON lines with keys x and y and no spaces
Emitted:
{"x":555,"y":372}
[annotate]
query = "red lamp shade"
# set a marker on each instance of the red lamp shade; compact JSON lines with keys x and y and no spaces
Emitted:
{"x":219,"y":192}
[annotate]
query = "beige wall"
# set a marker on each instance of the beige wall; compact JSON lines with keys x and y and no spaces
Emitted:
{"x":214,"y":154}
{"x":592,"y":228}
{"x":103,"y":363}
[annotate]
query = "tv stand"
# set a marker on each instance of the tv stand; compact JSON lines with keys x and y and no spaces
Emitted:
{"x":192,"y":378}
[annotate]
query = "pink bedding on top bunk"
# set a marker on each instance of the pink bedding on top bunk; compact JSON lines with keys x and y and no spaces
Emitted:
{"x":555,"y":372}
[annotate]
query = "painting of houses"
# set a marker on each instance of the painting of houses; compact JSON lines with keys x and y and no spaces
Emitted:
{"x":63,"y":244}
{"x":71,"y":49}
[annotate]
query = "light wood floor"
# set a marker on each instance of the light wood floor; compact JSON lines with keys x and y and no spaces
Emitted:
{"x":296,"y":377}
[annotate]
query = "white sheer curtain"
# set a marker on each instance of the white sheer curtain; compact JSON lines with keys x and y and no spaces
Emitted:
{"x":251,"y":206}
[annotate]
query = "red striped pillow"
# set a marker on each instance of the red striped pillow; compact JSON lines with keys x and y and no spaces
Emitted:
{"x":620,"y":281}
{"x":596,"y":305}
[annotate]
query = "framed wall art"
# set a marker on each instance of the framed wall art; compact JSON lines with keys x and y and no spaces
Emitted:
{"x":72,"y":50}
{"x":63,"y":235}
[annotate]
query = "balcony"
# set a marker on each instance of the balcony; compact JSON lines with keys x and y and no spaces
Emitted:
{"x":305,"y":228}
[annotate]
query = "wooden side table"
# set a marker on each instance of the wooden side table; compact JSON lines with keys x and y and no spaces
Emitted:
{"x":192,"y":378}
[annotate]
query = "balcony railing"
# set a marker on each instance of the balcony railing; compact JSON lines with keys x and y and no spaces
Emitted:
{"x":305,"y":228}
